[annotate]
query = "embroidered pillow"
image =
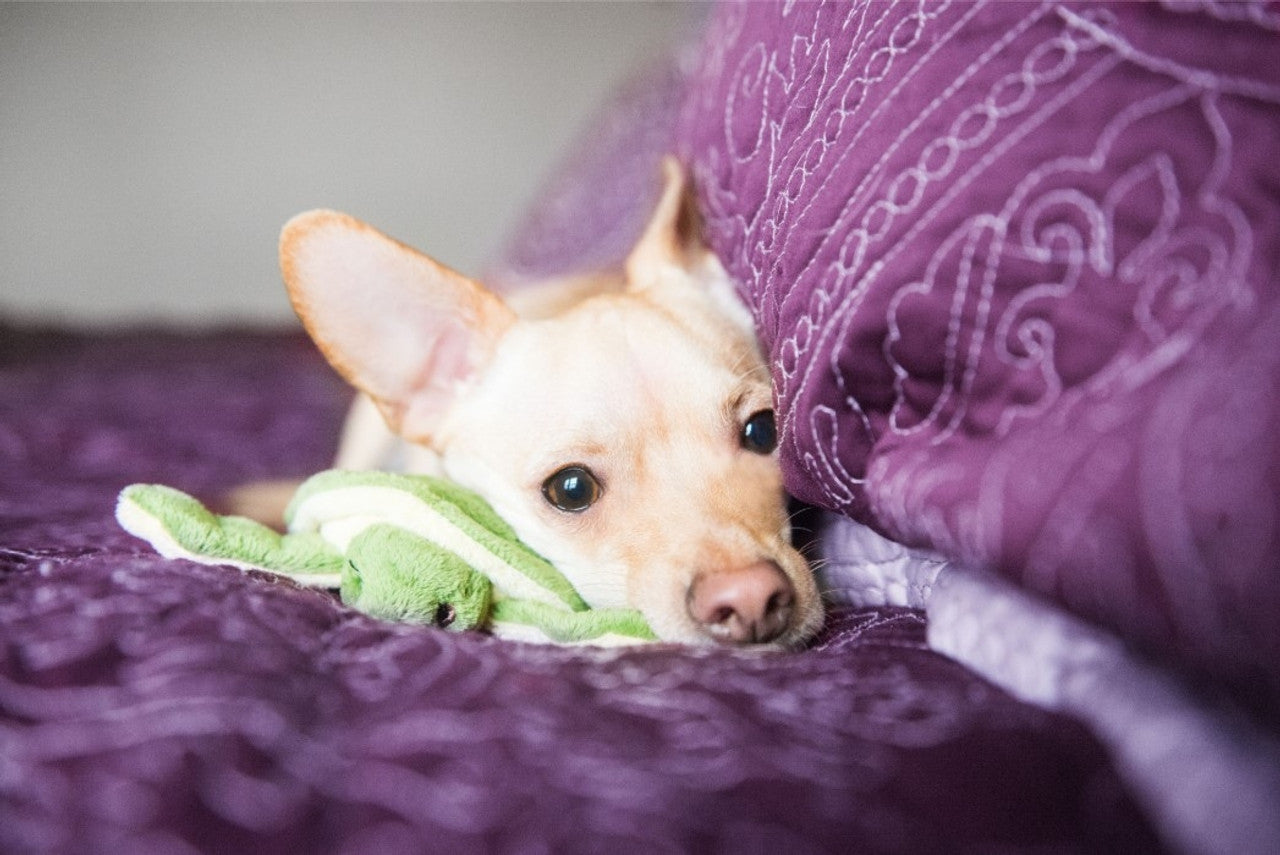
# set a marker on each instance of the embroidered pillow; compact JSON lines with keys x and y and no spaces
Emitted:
{"x":1015,"y":268}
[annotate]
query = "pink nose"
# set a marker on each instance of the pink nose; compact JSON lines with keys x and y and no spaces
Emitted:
{"x":748,"y":605}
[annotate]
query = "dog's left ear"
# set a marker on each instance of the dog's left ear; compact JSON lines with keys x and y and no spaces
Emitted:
{"x":673,"y":237}
{"x":672,"y":264}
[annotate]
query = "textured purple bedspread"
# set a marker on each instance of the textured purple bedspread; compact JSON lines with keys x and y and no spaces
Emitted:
{"x":149,"y":705}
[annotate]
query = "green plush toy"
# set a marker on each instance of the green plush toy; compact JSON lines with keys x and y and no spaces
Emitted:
{"x":400,"y":547}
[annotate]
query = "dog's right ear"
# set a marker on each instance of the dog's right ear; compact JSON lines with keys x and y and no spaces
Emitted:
{"x":407,"y":331}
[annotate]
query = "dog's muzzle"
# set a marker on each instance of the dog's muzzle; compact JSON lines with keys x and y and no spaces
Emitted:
{"x":747,"y":605}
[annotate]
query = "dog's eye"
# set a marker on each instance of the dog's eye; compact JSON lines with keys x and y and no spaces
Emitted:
{"x":572,"y":489}
{"x":760,"y":434}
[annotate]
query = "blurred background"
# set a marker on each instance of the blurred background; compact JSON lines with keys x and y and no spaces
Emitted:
{"x":150,"y":153}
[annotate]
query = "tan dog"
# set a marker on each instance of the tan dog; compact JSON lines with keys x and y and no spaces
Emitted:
{"x":621,"y":424}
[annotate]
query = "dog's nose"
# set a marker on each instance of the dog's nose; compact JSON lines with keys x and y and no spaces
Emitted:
{"x":751,"y":604}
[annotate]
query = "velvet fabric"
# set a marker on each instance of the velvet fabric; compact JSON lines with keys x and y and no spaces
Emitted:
{"x":150,"y":705}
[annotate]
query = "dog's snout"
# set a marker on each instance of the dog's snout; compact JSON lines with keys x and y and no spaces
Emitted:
{"x":747,"y":605}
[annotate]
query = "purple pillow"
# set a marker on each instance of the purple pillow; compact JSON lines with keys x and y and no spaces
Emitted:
{"x":1015,"y":267}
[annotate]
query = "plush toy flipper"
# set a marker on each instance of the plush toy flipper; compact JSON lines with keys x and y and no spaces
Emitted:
{"x":525,"y":620}
{"x":178,"y":526}
{"x":395,"y":574}
{"x":429,"y":507}
{"x":401,"y":547}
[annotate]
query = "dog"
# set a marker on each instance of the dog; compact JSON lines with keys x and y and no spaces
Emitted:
{"x":621,"y":423}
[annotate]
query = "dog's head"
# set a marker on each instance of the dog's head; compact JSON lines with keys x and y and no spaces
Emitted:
{"x":629,"y":437}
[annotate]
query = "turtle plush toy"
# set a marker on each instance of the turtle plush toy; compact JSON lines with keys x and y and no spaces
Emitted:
{"x":399,"y":547}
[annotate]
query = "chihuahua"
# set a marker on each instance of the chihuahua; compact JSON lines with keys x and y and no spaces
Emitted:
{"x":622,"y":424}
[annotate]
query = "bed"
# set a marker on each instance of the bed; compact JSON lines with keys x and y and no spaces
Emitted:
{"x":1013,"y":267}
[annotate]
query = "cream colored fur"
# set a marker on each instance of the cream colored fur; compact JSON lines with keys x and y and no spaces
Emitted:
{"x":645,"y":377}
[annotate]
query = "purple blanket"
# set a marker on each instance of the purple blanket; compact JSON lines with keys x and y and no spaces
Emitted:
{"x":149,"y":705}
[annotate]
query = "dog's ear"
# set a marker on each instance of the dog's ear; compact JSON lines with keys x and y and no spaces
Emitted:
{"x":671,"y":256}
{"x":400,"y":327}
{"x":673,"y":236}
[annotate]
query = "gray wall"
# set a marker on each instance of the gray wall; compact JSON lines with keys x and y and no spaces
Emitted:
{"x":150,"y":153}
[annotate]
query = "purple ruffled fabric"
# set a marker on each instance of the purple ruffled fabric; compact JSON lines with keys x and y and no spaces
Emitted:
{"x":154,"y":706}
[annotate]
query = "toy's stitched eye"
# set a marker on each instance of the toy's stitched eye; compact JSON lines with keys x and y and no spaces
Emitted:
{"x":445,"y":615}
{"x":572,"y":489}
{"x":760,"y":434}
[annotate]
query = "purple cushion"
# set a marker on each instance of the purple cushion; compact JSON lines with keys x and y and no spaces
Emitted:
{"x":1015,"y":267}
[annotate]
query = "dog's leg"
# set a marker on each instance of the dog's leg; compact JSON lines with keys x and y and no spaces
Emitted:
{"x":261,"y":501}
{"x":367,"y":442}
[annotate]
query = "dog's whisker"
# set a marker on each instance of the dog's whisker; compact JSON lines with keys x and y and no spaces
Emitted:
{"x":743,"y":376}
{"x":807,"y":549}
{"x":792,"y":516}
{"x":737,"y":365}
{"x":819,"y":563}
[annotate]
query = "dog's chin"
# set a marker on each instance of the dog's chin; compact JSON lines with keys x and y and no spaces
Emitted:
{"x":803,"y":627}
{"x":666,"y":605}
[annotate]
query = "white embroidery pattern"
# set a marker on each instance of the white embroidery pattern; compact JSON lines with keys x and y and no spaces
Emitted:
{"x":958,"y":261}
